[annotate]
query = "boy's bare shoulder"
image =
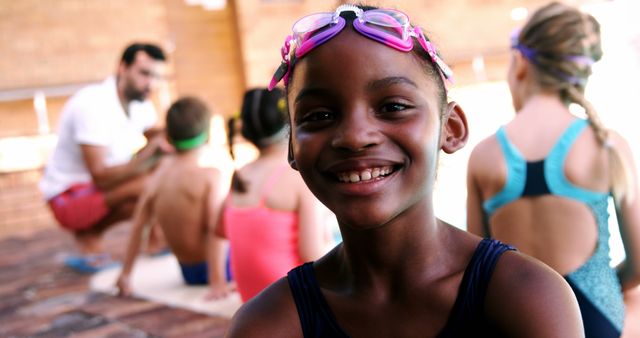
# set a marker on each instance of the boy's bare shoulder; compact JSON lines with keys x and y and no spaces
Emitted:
{"x":272,"y":313}
{"x":208,"y":172}
{"x":203,"y":174}
{"x":156,"y":178}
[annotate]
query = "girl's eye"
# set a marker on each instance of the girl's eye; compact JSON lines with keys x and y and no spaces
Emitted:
{"x":394,"y":108}
{"x":317,"y":116}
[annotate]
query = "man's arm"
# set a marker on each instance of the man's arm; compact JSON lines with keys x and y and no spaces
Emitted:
{"x":154,"y":131}
{"x":106,"y":177}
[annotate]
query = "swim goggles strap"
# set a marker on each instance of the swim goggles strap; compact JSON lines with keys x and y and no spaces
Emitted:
{"x":446,"y":72}
{"x":283,"y":71}
{"x":532,"y":55}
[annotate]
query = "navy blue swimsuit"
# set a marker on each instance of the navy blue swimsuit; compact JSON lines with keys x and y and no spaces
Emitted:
{"x":595,"y":283}
{"x":465,"y":320}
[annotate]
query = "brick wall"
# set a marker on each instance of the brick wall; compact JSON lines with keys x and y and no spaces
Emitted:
{"x":21,"y":204}
{"x":206,"y":57}
{"x":47,"y":44}
{"x":61,"y":42}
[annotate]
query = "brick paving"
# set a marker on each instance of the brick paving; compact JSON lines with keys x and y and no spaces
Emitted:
{"x":39,"y":297}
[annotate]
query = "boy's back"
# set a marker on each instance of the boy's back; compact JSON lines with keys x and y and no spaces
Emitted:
{"x":179,"y":196}
{"x":184,"y":199}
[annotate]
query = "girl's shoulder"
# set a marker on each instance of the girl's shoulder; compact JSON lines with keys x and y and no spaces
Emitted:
{"x":272,"y":313}
{"x":525,"y":298}
{"x":489,"y":147}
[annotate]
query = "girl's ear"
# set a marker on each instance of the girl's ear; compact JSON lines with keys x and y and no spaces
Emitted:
{"x":290,"y":158}
{"x":521,"y":66}
{"x":455,"y":131}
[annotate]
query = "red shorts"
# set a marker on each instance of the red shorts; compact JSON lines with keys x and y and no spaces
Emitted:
{"x":80,"y":207}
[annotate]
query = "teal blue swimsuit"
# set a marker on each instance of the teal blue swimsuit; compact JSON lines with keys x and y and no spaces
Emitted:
{"x":595,"y":283}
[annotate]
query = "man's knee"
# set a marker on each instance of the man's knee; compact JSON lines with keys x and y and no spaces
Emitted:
{"x":79,"y":207}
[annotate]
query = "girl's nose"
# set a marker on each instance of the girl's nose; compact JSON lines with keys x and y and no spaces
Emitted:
{"x":356,"y":131}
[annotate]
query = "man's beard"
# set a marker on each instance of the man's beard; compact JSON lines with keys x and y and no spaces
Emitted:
{"x":136,"y":95}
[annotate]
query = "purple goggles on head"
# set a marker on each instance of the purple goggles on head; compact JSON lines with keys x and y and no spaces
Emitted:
{"x":387,"y":26}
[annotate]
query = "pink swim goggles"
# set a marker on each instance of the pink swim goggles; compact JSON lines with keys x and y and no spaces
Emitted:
{"x":387,"y":26}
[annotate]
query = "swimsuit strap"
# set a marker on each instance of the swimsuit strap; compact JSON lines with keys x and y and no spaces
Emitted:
{"x":273,"y":177}
{"x":467,"y":313}
{"x":567,"y":139}
{"x":516,"y":175}
{"x":554,"y":167}
{"x":316,"y":317}
{"x":271,"y":180}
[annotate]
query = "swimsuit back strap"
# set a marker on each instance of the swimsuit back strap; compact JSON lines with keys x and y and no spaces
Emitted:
{"x":554,"y":167}
{"x":271,"y":180}
{"x":516,"y":175}
{"x":567,"y":139}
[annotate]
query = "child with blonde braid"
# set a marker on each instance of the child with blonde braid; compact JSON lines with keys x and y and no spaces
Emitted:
{"x":543,"y":181}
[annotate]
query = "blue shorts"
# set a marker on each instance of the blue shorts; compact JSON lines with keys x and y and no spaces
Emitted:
{"x":198,"y":273}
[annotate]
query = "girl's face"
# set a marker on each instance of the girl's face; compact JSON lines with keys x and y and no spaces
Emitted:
{"x":365,"y":129}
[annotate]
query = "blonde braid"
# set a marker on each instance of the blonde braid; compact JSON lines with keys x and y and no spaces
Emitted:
{"x":602,"y":133}
{"x":619,"y":173}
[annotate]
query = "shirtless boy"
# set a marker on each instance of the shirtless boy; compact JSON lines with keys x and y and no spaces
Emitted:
{"x":184,"y":199}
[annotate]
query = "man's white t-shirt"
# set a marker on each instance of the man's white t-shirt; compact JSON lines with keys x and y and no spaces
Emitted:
{"x":94,"y":116}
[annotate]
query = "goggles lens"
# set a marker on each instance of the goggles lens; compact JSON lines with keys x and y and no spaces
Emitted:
{"x":389,"y":23}
{"x":386,"y":17}
{"x":312,"y":22}
{"x":314,"y":33}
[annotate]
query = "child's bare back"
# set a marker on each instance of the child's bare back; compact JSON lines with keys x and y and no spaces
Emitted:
{"x":179,"y":198}
{"x":184,"y":199}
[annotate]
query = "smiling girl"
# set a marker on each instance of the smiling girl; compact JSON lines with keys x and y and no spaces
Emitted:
{"x":369,"y":116}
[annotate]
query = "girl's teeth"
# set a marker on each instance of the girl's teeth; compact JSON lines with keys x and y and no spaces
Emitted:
{"x":354,"y":177}
{"x":365,"y":175}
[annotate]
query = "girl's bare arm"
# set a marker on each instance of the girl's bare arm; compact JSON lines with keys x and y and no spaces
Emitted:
{"x":628,"y":214}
